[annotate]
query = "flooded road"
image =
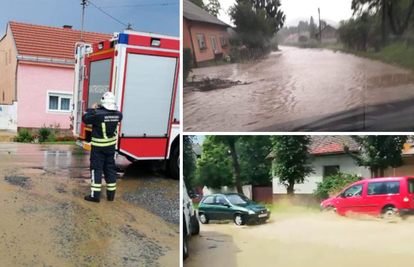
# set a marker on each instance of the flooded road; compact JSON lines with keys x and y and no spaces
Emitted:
{"x":44,"y":220}
{"x":304,"y":90}
{"x":322,"y":240}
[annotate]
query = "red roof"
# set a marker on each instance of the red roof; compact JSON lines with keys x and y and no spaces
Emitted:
{"x":50,"y":42}
{"x":332,"y":144}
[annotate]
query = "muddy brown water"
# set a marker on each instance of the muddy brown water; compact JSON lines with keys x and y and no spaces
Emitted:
{"x":297,"y":240}
{"x":296,"y":88}
{"x":44,"y":220}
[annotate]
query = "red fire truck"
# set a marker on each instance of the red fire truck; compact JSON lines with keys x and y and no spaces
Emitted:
{"x":142,"y":70}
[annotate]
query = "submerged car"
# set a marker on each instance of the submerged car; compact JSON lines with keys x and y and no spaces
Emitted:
{"x":231,"y":206}
{"x":377,"y":196}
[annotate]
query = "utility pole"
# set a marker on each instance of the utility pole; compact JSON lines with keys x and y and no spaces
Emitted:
{"x":320,"y":26}
{"x":83,"y":4}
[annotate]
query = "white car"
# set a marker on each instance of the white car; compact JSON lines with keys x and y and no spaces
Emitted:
{"x":191,"y":225}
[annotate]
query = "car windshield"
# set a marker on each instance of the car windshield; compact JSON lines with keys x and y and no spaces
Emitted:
{"x":238,"y":199}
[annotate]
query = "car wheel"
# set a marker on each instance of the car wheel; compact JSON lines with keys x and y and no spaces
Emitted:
{"x":330,"y":209}
{"x":238,"y":219}
{"x":203,"y":218}
{"x":390,"y":214}
{"x":185,"y":247}
{"x":195,"y":225}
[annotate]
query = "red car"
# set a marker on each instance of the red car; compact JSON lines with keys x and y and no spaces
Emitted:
{"x":377,"y":196}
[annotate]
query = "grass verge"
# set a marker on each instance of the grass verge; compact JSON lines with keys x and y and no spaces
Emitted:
{"x":397,"y":54}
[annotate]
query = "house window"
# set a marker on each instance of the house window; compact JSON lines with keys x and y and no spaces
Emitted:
{"x":222,"y":41}
{"x":201,"y":42}
{"x":330,"y":170}
{"x":58,"y":102}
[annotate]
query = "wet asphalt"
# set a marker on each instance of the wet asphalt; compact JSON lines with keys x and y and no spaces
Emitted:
{"x":46,"y":222}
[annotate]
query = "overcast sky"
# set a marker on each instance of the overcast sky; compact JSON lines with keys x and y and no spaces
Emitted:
{"x":335,"y":10}
{"x":160,"y":19}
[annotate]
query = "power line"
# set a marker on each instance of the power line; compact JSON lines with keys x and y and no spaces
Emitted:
{"x":143,"y":5}
{"x":109,"y":15}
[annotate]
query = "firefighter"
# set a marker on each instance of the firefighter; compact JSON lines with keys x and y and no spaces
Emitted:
{"x":104,"y":119}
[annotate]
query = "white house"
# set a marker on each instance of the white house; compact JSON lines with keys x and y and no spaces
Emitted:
{"x":328,"y":158}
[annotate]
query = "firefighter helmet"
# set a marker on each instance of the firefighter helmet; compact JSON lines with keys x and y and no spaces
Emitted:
{"x":108,"y":101}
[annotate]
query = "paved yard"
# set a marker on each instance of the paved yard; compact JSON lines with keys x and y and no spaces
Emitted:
{"x":45,"y":221}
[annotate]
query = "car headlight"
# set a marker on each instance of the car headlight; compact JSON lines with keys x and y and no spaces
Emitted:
{"x":251,"y":212}
{"x":267,"y":210}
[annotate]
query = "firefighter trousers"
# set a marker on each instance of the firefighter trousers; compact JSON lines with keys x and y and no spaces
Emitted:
{"x":103,"y":160}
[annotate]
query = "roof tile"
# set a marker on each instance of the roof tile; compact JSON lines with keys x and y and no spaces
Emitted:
{"x":50,"y":42}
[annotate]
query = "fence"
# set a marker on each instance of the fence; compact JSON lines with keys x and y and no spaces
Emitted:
{"x":8,"y":117}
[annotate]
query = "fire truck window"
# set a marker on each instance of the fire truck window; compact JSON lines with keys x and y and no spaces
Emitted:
{"x":99,"y":77}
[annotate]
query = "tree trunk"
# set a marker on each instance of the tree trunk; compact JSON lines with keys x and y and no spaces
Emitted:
{"x":383,"y":22}
{"x":290,"y":189}
{"x":236,"y":167}
{"x":374,"y":173}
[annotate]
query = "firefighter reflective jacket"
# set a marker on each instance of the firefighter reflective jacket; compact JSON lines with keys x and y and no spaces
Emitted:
{"x":104,"y":126}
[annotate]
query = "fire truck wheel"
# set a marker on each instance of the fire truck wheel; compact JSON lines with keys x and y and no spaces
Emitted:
{"x":174,"y":163}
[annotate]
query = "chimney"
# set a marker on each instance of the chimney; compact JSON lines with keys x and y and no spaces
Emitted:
{"x":67,"y":27}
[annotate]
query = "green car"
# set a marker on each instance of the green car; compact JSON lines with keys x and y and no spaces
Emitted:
{"x":231,"y":206}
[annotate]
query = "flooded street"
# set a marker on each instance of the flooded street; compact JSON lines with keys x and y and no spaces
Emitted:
{"x":45,"y":221}
{"x":298,"y":240}
{"x":304,"y":90}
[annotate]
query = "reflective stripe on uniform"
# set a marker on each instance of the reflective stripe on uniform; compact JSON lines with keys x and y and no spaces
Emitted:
{"x":95,"y":189}
{"x":101,"y":140}
{"x":104,"y":144}
{"x":104,"y":130}
{"x":96,"y":185}
{"x":111,"y":187}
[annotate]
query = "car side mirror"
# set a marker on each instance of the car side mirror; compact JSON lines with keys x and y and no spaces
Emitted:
{"x":226,"y":205}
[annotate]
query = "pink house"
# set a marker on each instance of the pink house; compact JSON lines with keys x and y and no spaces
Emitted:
{"x":36,"y":74}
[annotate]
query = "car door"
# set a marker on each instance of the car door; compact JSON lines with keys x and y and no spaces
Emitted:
{"x":208,"y":207}
{"x":222,"y":208}
{"x":351,"y":199}
{"x":380,"y":194}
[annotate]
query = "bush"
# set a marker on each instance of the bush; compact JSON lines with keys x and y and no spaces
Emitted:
{"x":24,"y":136}
{"x":188,"y":62}
{"x":332,"y":185}
{"x":44,"y":134}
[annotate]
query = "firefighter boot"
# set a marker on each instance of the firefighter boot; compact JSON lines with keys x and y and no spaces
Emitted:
{"x":111,"y":196}
{"x":92,"y":199}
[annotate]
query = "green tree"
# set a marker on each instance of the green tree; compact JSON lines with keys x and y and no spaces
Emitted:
{"x":378,"y":152}
{"x":252,"y":152}
{"x":292,"y":159}
{"x":230,"y":142}
{"x":399,"y":13}
{"x":199,"y":3}
{"x":257,"y":21}
{"x":189,"y":161}
{"x":213,"y":7}
{"x":214,"y":168}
